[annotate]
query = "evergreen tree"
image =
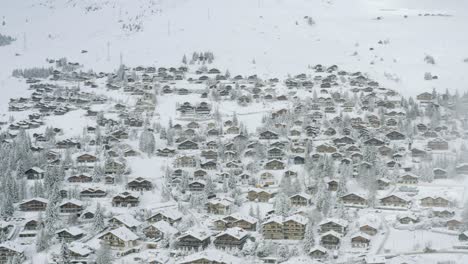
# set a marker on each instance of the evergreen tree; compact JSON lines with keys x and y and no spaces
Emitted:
{"x":309,"y":238}
{"x":98,"y":223}
{"x":104,"y":255}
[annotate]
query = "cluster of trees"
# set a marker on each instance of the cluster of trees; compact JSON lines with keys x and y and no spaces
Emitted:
{"x":200,"y":57}
{"x":35,"y":72}
{"x":6,"y":40}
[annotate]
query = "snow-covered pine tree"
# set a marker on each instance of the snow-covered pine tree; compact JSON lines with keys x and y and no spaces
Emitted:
{"x":309,"y":238}
{"x":104,"y":255}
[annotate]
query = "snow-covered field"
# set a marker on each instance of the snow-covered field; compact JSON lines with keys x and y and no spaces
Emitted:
{"x":274,"y":34}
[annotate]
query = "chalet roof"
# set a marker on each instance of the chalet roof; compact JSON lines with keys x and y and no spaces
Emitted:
{"x":212,"y":256}
{"x":127,"y":220}
{"x":72,"y":201}
{"x":123,"y":233}
{"x":198,"y":234}
{"x":318,"y":248}
{"x":12,"y":246}
{"x":171,"y":213}
{"x":276,"y":219}
{"x":332,"y":233}
{"x":39,"y":199}
{"x":246,"y":218}
{"x":338,"y":221}
{"x":303,"y":195}
{"x":165,"y":227}
{"x":79,"y":248}
{"x":297,"y":218}
{"x":235,"y":232}
{"x":74,"y":231}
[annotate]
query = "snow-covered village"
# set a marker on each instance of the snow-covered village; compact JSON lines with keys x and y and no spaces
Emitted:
{"x":195,"y":155}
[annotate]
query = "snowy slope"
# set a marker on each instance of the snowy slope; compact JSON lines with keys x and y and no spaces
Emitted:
{"x":274,"y":33}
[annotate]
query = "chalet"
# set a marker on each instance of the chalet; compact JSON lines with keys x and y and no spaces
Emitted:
{"x":443,"y":213}
{"x":425,"y":97}
{"x":383,"y":183}
{"x":275,"y":153}
{"x":86,"y":158}
{"x":160,"y":230}
{"x":273,"y":228}
{"x":171,"y":216}
{"x":407,"y":219}
{"x":79,"y":251}
{"x":330,"y":240}
{"x":454,"y":224}
{"x":294,"y":227}
{"x":417,"y":153}
{"x":335,"y":225}
{"x":298,"y":160}
{"x":325,"y":148}
{"x":300,"y":199}
{"x":70,"y":234}
{"x":186,"y":161}
{"x":114,"y":167}
{"x":9,"y":251}
{"x":209,"y":165}
{"x":187,"y":145}
{"x":125,"y":199}
{"x":462,"y":169}
{"x":360,"y":240}
{"x":121,"y":237}
{"x":139,"y":184}
{"x":71,"y":206}
{"x":438,"y":144}
{"x":81,"y":178}
{"x":231,"y":238}
{"x":166,"y":152}
{"x":34,"y":204}
{"x":394,"y":200}
{"x":219,"y":206}
{"x":353,"y":199}
{"x":274,"y":165}
{"x":374,"y":142}
{"x":269,"y":135}
{"x":463,"y":236}
{"x":318,"y":252}
{"x":210,"y":256}
{"x":34,"y":173}
{"x":197,"y":186}
{"x":409,"y":179}
{"x":439,"y":173}
{"x":260,"y":195}
{"x":92,"y":193}
{"x":124,"y":220}
{"x":395,"y":135}
{"x":435,"y":201}
{"x":193,"y":240}
{"x":368,"y":229}
{"x":332,"y":185}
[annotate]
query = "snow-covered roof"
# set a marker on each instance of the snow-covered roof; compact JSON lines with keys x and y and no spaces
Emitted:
{"x":235,"y":232}
{"x":165,"y":227}
{"x":297,"y":218}
{"x":123,"y":233}
{"x":338,"y":221}
{"x":80,"y":248}
{"x":212,"y":255}
{"x":12,"y":246}
{"x":169,"y":213}
{"x":73,"y":230}
{"x":127,"y":220}
{"x":199,"y":234}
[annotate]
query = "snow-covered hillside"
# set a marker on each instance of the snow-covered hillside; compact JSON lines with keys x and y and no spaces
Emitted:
{"x":274,"y":34}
